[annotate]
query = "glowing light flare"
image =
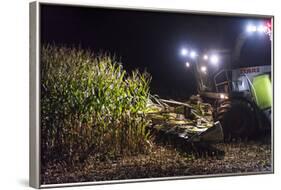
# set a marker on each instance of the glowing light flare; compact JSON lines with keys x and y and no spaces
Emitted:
{"x":251,"y":28}
{"x":193,"y":54}
{"x":214,"y":59}
{"x":261,"y":28}
{"x":187,"y":64}
{"x":222,"y":96}
{"x":184,"y":52}
{"x":203,"y":69}
{"x":205,"y":57}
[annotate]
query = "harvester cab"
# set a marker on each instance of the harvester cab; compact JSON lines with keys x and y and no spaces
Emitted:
{"x":242,"y":100}
{"x":251,"y":83}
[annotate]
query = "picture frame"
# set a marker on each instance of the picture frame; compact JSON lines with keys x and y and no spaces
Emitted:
{"x":36,"y":24}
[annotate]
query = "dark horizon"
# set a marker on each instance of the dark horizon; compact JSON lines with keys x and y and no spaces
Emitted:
{"x":151,"y":40}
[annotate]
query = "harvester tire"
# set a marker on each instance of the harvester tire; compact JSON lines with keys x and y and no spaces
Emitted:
{"x":238,"y":119}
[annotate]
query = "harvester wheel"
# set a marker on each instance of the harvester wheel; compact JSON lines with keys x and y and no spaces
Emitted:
{"x":238,"y":119}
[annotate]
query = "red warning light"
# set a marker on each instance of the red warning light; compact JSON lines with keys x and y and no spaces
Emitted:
{"x":268,"y":25}
{"x":269,"y":29}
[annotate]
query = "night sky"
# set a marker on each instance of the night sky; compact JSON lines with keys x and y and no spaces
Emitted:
{"x":152,"y":40}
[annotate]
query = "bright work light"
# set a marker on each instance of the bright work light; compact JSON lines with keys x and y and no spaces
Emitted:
{"x":214,"y":59}
{"x":205,"y":57}
{"x":251,"y":28}
{"x":193,"y":54}
{"x":204,"y":69}
{"x":184,"y":52}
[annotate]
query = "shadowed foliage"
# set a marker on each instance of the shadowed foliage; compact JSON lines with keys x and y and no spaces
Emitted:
{"x":89,"y":104}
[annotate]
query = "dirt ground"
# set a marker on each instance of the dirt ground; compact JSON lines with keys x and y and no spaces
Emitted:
{"x":165,"y":161}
